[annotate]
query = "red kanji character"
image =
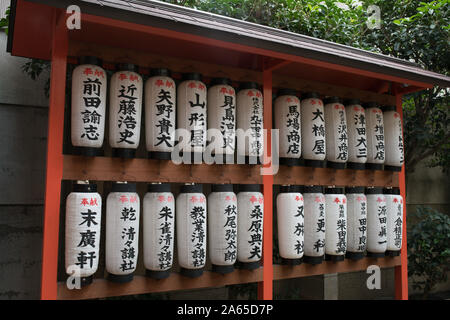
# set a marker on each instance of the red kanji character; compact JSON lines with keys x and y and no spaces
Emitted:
{"x":313,"y":101}
{"x":93,"y":202}
{"x":84,"y":201}
{"x":133,"y":199}
{"x":253,"y":199}
{"x":201,"y":86}
{"x":396,"y":115}
{"x":301,"y":198}
{"x":359,"y":199}
{"x":169,"y":84}
{"x":337,"y":200}
{"x":288,"y":99}
{"x":250,"y":93}
{"x":123,"y":199}
{"x":336,"y":106}
{"x":356,"y":109}
{"x":192,"y":85}
{"x":317,"y":199}
{"x":161,"y":198}
{"x":258,"y":94}
{"x":99,"y":73}
{"x":194,"y":199}
{"x":374,"y":111}
{"x":227,"y":198}
{"x":379,"y":199}
{"x":159,"y":83}
{"x":87,"y":71}
{"x":202,"y":199}
{"x":297,"y":198}
{"x":395,"y":200}
{"x":344,"y":201}
{"x":223,"y":90}
{"x":342,"y":107}
{"x":169,"y":198}
{"x":319,"y":102}
{"x":234,"y":198}
{"x":231,"y":91}
{"x":134,"y":77}
{"x":260,"y":200}
{"x":123,"y":76}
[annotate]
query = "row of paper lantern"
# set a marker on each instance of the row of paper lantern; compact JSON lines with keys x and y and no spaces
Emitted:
{"x":311,"y":226}
{"x":311,"y":129}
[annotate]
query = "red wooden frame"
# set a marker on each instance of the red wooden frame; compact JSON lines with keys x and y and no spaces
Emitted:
{"x":59,"y":50}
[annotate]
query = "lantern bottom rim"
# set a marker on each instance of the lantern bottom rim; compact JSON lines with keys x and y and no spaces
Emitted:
{"x":87,"y":151}
{"x":375,"y":254}
{"x":392,"y":168}
{"x":191,"y":273}
{"x":312,"y":260}
{"x":392,"y":253}
{"x":291,"y":162}
{"x":336,"y":165}
{"x":334,"y":258}
{"x":291,"y":262}
{"x":354,"y":255}
{"x":374,"y":166}
{"x":159,"y":155}
{"x":157,"y":274}
{"x":126,"y":153}
{"x":122,"y":278}
{"x":315,"y":163}
{"x":356,"y":165}
{"x":222,"y":269}
{"x":252,"y":160}
{"x":248,"y":265}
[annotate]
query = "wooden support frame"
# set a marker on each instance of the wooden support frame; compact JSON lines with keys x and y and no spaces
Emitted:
{"x":68,"y":167}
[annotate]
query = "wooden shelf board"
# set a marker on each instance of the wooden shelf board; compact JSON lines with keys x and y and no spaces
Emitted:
{"x":102,"y":288}
{"x":326,"y":267}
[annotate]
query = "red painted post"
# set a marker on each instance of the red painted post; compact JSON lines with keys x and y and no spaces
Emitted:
{"x":401,"y":272}
{"x":54,"y":158}
{"x":265,"y":287}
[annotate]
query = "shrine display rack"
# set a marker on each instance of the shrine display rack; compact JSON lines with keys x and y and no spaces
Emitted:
{"x":154,"y":34}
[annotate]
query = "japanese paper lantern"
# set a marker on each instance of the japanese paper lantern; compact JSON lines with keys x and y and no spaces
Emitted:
{"x":122,"y":232}
{"x":125,"y":108}
{"x":290,"y":221}
{"x":376,"y":222}
{"x":222,"y":117}
{"x":375,"y":136}
{"x":222,"y":227}
{"x":356,"y":131}
{"x":356,"y":222}
{"x":192,"y":113}
{"x":393,"y":136}
{"x":314,"y":207}
{"x":394,"y":223}
{"x":250,"y":202}
{"x":336,"y":133}
{"x":250,"y":122}
{"x":313,"y":130}
{"x":89,"y":82}
{"x":160,"y":112}
{"x":336,"y":222}
{"x":191,"y":218}
{"x":287,"y":119}
{"x":83,"y":221}
{"x":158,"y":229}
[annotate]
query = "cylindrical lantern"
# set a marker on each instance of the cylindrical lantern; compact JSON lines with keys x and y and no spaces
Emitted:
{"x":376,"y":222}
{"x":314,"y":204}
{"x":356,"y":222}
{"x":250,"y":137}
{"x":336,"y":222}
{"x":393,"y":136}
{"x":222,"y":118}
{"x":313,"y":130}
{"x":336,"y":133}
{"x":122,"y":232}
{"x":192,"y":114}
{"x":356,"y":131}
{"x":125,"y":108}
{"x":89,"y":83}
{"x":83,"y":221}
{"x":160,"y":111}
{"x":250,"y":202}
{"x":158,"y":229}
{"x":222,"y":227}
{"x":394,"y":223}
{"x":191,"y":230}
{"x":290,"y":220}
{"x":375,"y":136}
{"x":287,"y":120}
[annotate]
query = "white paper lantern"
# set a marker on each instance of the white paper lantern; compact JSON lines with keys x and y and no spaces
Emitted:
{"x":336,"y":222}
{"x":250,"y":122}
{"x":222,"y":117}
{"x":125,"y":108}
{"x":250,"y":202}
{"x":375,"y":136}
{"x":191,"y":217}
{"x":122,"y":232}
{"x":192,"y":113}
{"x":394,"y":223}
{"x":336,"y":133}
{"x":89,"y":82}
{"x":290,"y":221}
{"x":83,"y":222}
{"x":158,"y":229}
{"x":356,"y":223}
{"x":393,"y":136}
{"x":376,"y":222}
{"x":356,"y":131}
{"x":288,"y":121}
{"x":160,"y":112}
{"x":313,"y":130}
{"x":315,"y":224}
{"x":222,"y":227}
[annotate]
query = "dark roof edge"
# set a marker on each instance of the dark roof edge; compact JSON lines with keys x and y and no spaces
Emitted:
{"x":12,"y":20}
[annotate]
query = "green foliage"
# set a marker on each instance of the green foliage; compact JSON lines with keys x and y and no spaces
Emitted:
{"x":429,"y":249}
{"x":4,"y":22}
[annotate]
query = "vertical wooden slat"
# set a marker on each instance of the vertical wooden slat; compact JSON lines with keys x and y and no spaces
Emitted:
{"x":54,"y":168}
